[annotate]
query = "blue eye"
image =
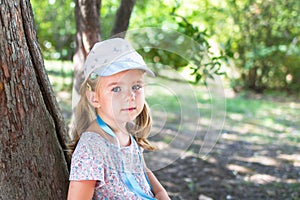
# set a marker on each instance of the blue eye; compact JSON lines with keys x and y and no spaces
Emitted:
{"x":116,"y":89}
{"x":136,"y":87}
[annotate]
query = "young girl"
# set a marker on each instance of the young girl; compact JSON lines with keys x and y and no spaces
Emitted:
{"x":112,"y":125}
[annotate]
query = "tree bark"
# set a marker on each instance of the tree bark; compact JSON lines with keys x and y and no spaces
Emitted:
{"x":123,"y":18}
{"x":87,"y":16}
{"x":32,"y":128}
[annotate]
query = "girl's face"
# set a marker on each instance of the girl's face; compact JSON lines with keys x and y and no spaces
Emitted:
{"x":121,"y":96}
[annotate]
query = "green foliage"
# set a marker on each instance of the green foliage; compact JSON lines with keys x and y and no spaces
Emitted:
{"x":266,"y":43}
{"x":56,"y":29}
{"x":107,"y":17}
{"x":261,"y":38}
{"x":185,"y":46}
{"x":205,"y":64}
{"x":55,"y":24}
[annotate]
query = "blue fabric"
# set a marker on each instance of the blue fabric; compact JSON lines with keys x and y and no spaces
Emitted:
{"x":134,"y":186}
{"x":128,"y":178}
{"x":105,"y":127}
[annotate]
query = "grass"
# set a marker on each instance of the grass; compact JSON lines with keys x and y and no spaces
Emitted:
{"x":266,"y":120}
{"x":60,"y":74}
{"x":261,"y":119}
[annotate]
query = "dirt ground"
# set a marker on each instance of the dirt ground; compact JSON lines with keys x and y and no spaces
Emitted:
{"x":234,"y":169}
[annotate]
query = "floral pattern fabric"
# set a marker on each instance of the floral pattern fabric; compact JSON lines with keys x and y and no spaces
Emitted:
{"x":96,"y":158}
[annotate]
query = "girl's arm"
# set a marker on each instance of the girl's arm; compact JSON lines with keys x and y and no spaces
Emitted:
{"x":81,"y":190}
{"x":159,"y":191}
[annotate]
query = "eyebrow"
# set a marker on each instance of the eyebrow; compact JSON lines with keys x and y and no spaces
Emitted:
{"x":120,"y":83}
{"x":139,"y":81}
{"x":113,"y":83}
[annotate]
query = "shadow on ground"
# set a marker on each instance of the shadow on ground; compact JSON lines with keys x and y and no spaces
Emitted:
{"x":234,"y":169}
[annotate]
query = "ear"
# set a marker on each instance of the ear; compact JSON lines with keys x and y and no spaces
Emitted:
{"x":93,"y":99}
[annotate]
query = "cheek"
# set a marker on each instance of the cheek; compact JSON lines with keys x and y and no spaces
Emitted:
{"x":115,"y":103}
{"x":106,"y":101}
{"x":140,"y":99}
{"x":141,"y":93}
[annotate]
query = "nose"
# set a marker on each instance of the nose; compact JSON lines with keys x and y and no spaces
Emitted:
{"x":131,"y":95}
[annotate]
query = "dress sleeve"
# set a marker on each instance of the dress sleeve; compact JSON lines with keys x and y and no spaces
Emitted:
{"x":87,"y":161}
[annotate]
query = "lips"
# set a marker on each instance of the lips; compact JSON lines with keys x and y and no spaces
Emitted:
{"x":129,"y":109}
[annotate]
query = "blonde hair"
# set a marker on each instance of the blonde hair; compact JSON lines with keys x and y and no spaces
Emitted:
{"x":85,"y":113}
{"x":142,"y":127}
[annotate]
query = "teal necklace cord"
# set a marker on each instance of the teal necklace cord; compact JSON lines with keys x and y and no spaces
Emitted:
{"x":128,"y":178}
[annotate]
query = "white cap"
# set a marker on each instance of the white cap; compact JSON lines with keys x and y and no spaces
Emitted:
{"x":113,"y":56}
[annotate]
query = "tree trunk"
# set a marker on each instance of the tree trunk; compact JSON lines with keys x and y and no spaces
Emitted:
{"x":32,"y":128}
{"x":251,"y":78}
{"x":123,"y":18}
{"x":87,"y":16}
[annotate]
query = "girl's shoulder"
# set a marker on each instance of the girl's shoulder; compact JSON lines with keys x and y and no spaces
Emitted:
{"x":91,"y":143}
{"x":91,"y":138}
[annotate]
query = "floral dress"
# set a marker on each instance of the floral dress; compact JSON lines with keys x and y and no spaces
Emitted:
{"x":96,"y":158}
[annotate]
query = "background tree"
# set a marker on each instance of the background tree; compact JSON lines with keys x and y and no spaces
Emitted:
{"x":87,"y":16}
{"x":32,"y":129}
{"x":122,"y":18}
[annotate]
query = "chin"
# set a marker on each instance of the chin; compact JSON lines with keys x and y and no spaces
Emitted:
{"x":129,"y":118}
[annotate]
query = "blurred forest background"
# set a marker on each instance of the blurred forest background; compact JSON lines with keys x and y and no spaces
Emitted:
{"x":260,"y":39}
{"x":253,"y":45}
